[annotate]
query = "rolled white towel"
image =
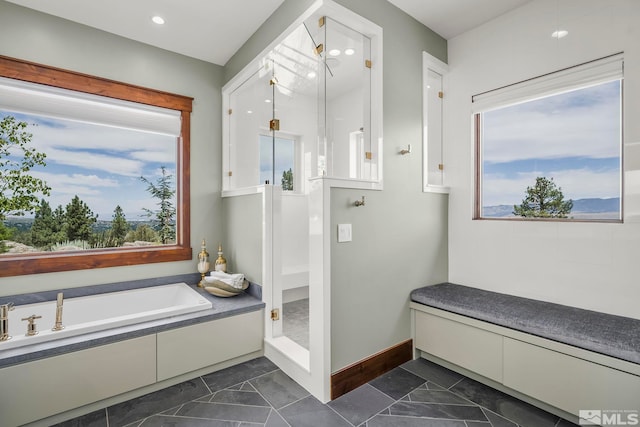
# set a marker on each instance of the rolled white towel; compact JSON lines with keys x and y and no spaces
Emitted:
{"x":233,"y":280}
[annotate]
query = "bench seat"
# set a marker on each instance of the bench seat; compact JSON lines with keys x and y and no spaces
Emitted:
{"x":607,"y":334}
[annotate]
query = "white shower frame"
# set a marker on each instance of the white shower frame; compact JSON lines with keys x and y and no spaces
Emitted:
{"x":311,"y":369}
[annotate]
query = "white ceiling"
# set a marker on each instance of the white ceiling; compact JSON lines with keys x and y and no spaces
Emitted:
{"x":213,"y":30}
{"x":450,"y":18}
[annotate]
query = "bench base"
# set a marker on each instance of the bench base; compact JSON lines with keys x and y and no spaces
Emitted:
{"x":556,"y":377}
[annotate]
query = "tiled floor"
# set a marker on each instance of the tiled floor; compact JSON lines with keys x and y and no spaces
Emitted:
{"x":257,"y":393}
{"x":295,"y":316}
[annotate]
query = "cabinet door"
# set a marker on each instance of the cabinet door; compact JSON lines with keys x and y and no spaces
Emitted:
{"x":197,"y":346}
{"x":468,"y":347}
{"x":567,"y":382}
{"x":42,"y":388}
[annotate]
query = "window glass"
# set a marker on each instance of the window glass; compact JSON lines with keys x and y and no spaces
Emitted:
{"x":558,"y":156}
{"x":280,"y":151}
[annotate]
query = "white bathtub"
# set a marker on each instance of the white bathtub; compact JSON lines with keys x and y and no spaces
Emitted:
{"x":93,"y":313}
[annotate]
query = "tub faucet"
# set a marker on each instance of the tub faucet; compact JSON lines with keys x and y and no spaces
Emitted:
{"x":4,"y":321}
{"x":58,"y":326}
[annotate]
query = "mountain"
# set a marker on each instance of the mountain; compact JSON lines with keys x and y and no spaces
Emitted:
{"x":582,"y":208}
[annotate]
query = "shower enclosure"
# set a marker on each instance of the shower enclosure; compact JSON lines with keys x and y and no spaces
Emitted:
{"x":297,"y":117}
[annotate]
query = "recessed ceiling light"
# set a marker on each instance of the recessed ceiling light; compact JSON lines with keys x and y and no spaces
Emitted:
{"x":559,"y":34}
{"x":158,"y":20}
{"x":249,"y":112}
{"x":334,"y":52}
{"x":311,"y":74}
{"x":268,"y":101}
{"x":349,"y":51}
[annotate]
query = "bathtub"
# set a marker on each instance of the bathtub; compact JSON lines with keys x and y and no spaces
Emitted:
{"x":99,"y":312}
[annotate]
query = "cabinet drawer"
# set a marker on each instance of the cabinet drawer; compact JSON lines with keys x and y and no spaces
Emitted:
{"x":471,"y":348}
{"x":42,"y":388}
{"x":194,"y":347}
{"x":567,"y":382}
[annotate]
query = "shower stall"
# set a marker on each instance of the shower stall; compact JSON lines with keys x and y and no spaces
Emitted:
{"x":298,"y":121}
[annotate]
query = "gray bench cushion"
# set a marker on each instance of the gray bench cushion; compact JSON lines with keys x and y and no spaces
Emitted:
{"x":615,"y":336}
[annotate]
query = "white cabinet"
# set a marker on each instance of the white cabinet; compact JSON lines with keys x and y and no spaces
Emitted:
{"x":35,"y":390}
{"x":197,"y":346}
{"x":552,"y":373}
{"x":473,"y":349}
{"x":565,"y":381}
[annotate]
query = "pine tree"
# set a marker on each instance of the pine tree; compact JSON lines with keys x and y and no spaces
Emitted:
{"x":79,"y":220}
{"x":287,"y":180}
{"x":164,"y":191}
{"x":48,"y":227}
{"x":119,"y":227}
{"x":544,"y":200}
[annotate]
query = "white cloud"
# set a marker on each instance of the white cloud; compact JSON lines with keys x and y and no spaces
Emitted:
{"x":575,"y":184}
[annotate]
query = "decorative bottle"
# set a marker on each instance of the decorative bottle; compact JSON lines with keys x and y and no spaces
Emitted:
{"x":221,"y":262}
{"x":203,"y":263}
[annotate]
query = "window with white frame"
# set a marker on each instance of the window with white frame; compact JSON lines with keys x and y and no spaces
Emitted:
{"x":551,"y":147}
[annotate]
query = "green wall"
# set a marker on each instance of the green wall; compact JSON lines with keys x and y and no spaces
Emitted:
{"x":400,"y":236}
{"x":37,"y":37}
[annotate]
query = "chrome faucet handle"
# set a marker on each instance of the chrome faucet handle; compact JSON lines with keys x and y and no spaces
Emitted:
{"x":31,"y":326}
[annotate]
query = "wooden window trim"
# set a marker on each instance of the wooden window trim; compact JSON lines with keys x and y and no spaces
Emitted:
{"x":16,"y":265}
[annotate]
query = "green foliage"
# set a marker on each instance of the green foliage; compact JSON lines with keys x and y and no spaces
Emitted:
{"x":79,"y":220}
{"x":5,"y":234}
{"x":18,"y":190}
{"x":70,"y":245}
{"x":164,"y":191}
{"x":544,"y":200}
{"x":48,"y":226}
{"x":119,"y":228}
{"x":143,"y":233}
{"x":287,"y":180}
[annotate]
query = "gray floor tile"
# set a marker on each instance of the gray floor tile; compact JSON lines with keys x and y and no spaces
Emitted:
{"x":509,"y":407}
{"x":421,"y":394}
{"x":238,"y":374}
{"x":225,"y":412}
{"x":395,"y":421}
{"x":238,"y":397}
{"x":309,"y":412}
{"x":360,"y":404}
{"x":438,"y":410}
{"x":433,"y":372}
{"x":565,"y":423}
{"x":156,"y":402}
{"x":279,"y":389}
{"x":397,"y":383}
{"x":295,"y":325}
{"x":477,"y":424}
{"x":94,"y":419}
{"x":167,"y":421}
{"x":275,"y":420}
{"x":498,"y":421}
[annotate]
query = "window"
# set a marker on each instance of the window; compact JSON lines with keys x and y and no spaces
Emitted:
{"x":100,"y":138}
{"x":282,"y":152}
{"x":550,"y":147}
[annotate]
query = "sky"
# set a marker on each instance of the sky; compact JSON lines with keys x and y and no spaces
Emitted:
{"x":574,"y":137}
{"x":284,"y":154}
{"x":100,"y":164}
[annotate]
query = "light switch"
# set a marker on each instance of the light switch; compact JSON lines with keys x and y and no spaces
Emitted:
{"x":344,"y":233}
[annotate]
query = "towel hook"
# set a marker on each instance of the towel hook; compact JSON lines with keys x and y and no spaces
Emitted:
{"x":406,"y":150}
{"x":359,"y":202}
